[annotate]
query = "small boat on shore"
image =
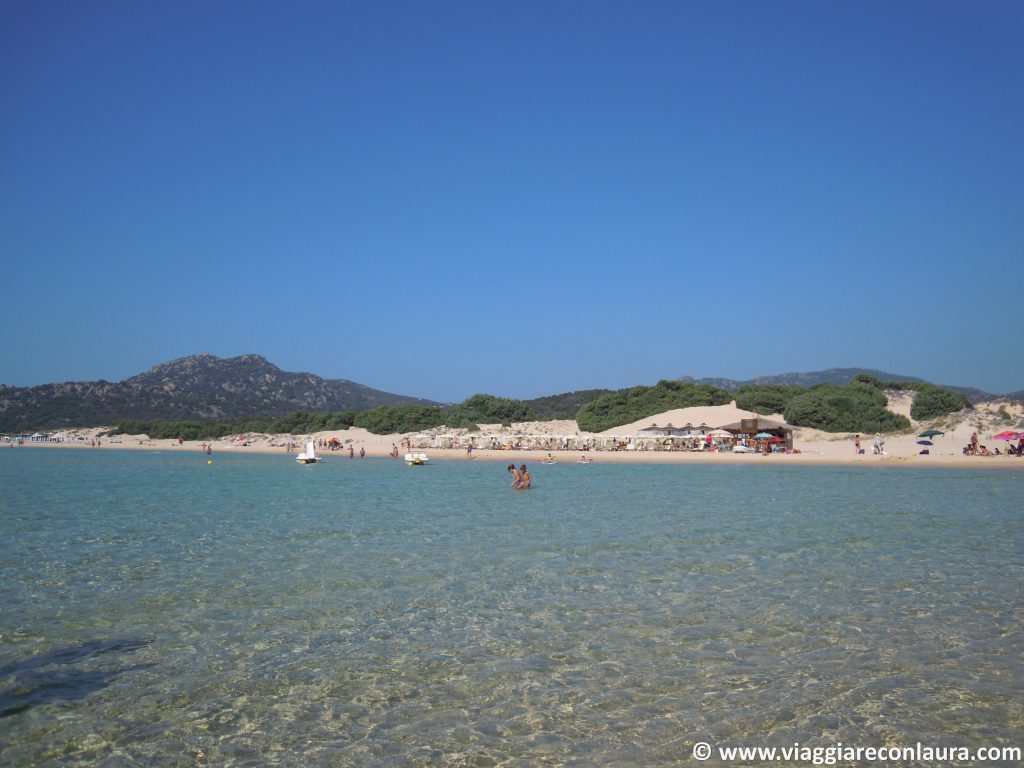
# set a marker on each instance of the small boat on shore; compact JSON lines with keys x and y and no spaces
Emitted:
{"x":309,"y":455}
{"x":416,"y":459}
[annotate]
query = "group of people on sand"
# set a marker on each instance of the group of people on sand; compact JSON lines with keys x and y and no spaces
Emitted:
{"x":973,"y":449}
{"x":877,"y":447}
{"x":1018,"y":451}
{"x":521,"y":478}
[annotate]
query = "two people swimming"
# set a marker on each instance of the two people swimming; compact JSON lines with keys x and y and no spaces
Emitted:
{"x":521,"y":478}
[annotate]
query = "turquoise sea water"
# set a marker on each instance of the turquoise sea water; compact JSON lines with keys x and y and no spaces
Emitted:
{"x":157,"y":610}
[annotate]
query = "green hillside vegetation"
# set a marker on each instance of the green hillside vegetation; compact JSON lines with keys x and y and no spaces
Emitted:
{"x":766,"y":398}
{"x":930,"y":400}
{"x":388,"y":419}
{"x":564,"y":406}
{"x":856,"y":407}
{"x":478,"y":409}
{"x":382,"y":420}
{"x":488,"y":409}
{"x":297,"y":423}
{"x":628,"y":405}
{"x":859,"y":406}
{"x":933,"y":402}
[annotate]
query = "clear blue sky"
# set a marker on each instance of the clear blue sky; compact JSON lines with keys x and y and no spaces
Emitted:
{"x":520,"y":198}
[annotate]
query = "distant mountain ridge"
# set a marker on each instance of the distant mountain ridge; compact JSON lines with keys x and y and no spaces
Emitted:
{"x":808,"y":379}
{"x":205,"y":387}
{"x":201,"y":387}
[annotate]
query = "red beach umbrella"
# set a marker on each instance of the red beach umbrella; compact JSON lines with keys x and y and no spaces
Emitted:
{"x":1008,"y":435}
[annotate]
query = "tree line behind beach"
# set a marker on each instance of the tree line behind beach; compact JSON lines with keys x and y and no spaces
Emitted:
{"x":859,"y":406}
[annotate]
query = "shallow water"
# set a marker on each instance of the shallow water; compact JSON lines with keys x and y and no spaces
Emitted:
{"x":157,"y":610}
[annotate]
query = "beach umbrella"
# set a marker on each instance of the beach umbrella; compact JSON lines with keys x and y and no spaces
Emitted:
{"x":1008,"y":435}
{"x":931,"y":433}
{"x":925,"y":442}
{"x":762,"y":436}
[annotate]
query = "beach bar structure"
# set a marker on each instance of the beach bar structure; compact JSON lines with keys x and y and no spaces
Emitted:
{"x":757,"y":425}
{"x":686,"y":437}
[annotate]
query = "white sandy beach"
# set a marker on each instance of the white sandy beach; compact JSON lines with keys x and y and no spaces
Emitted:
{"x":813,"y":446}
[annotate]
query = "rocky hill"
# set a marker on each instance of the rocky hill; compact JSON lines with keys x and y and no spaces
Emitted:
{"x":199,"y":387}
{"x":204,"y":387}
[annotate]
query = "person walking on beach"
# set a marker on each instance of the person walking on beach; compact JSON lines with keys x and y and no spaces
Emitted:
{"x":856,"y":444}
{"x":517,"y":479}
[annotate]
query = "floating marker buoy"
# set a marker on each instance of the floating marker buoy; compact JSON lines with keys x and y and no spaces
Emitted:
{"x":210,"y":461}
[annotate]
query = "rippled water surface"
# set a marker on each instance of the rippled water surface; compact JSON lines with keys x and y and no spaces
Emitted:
{"x":157,"y":610}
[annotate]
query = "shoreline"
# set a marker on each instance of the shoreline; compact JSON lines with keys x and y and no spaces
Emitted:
{"x":530,"y":442}
{"x":804,"y":458}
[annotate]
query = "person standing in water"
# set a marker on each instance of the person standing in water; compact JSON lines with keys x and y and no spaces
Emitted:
{"x":517,"y":479}
{"x":524,"y":477}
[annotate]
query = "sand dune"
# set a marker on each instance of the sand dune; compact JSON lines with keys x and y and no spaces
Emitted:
{"x":712,"y":415}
